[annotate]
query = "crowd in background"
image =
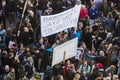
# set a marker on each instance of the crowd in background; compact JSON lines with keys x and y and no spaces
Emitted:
{"x":26,"y":55}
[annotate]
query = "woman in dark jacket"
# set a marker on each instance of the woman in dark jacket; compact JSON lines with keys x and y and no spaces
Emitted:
{"x":87,"y":37}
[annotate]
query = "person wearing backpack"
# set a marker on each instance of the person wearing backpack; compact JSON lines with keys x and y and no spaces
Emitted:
{"x":85,"y":67}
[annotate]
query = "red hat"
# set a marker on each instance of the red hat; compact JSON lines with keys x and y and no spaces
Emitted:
{"x":99,"y":65}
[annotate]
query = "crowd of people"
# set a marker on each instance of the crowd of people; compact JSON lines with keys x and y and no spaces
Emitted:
{"x":26,"y":55}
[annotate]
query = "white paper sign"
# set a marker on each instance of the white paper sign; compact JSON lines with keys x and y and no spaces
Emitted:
{"x":10,"y":44}
{"x":55,"y":23}
{"x":69,"y":47}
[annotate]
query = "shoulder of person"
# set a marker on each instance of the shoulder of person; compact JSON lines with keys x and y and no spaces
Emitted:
{"x":4,"y":30}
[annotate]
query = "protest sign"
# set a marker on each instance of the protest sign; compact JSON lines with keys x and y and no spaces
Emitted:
{"x":52,"y":24}
{"x":69,"y":48}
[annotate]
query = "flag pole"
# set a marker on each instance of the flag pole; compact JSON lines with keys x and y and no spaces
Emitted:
{"x":25,"y":6}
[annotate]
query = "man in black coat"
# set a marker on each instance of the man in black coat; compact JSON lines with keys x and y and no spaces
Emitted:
{"x":26,"y":36}
{"x":3,"y":12}
{"x":11,"y":10}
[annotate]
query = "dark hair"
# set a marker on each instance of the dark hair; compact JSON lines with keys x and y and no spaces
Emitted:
{"x":81,"y":43}
{"x":108,"y":30}
{"x":15,"y":45}
{"x":110,"y":15}
{"x":2,"y":26}
{"x":58,"y":77}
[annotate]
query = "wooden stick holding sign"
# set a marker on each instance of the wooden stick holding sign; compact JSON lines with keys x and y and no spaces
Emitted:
{"x":25,"y":6}
{"x":64,"y":56}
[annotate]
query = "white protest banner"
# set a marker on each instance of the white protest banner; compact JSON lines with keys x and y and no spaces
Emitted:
{"x":52,"y":24}
{"x":69,"y":47}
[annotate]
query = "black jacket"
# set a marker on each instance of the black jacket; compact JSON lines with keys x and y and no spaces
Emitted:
{"x":3,"y":12}
{"x":26,"y":37}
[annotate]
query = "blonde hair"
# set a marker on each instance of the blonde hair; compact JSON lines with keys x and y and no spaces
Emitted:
{"x":80,"y":23}
{"x":112,"y":67}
